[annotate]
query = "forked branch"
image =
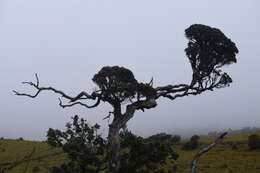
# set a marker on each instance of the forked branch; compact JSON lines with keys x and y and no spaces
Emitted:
{"x":172,"y":92}
{"x":81,"y":96}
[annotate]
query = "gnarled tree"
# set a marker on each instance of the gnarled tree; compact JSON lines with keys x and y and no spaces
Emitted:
{"x":208,"y":50}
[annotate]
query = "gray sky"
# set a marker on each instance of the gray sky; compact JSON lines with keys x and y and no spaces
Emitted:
{"x":67,"y":41}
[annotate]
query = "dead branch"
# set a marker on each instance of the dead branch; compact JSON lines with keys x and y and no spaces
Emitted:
{"x":204,"y":150}
{"x":175,"y":91}
{"x":78,"y":103}
{"x":81,"y":96}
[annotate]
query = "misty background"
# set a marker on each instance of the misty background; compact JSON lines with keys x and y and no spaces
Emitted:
{"x":67,"y":41}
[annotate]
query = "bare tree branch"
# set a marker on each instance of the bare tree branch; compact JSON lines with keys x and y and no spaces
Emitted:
{"x":81,"y":96}
{"x":79,"y":103}
{"x":131,"y":108}
{"x":175,"y":91}
{"x":204,"y":150}
{"x":170,"y":87}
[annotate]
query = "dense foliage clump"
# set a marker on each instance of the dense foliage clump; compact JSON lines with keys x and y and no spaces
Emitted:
{"x":84,"y":146}
{"x":192,"y":144}
{"x":164,"y":137}
{"x":254,"y":142}
{"x":208,"y":50}
{"x":143,"y":155}
{"x":118,"y":84}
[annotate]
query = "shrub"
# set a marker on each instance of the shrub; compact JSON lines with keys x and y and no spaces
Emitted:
{"x":164,"y":137}
{"x":84,"y":146}
{"x":20,"y":139}
{"x":144,"y":153}
{"x":192,"y":144}
{"x":254,"y":142}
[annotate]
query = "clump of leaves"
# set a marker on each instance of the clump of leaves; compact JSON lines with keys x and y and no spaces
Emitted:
{"x":141,"y":153}
{"x":192,"y":144}
{"x":84,"y":146}
{"x":254,"y":142}
{"x":20,"y":139}
{"x":208,"y":50}
{"x":118,"y":84}
{"x":164,"y":137}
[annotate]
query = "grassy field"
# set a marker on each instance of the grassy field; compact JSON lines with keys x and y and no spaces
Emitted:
{"x":29,"y":154}
{"x":231,"y":156}
{"x":224,"y":158}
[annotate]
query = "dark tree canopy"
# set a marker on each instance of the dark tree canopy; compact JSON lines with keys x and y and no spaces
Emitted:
{"x":192,"y":144}
{"x":208,"y":49}
{"x":254,"y":142}
{"x":164,"y":137}
{"x":119,"y":84}
{"x":142,"y":153}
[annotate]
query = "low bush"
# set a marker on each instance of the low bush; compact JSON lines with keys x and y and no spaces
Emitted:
{"x":254,"y":142}
{"x":192,"y":144}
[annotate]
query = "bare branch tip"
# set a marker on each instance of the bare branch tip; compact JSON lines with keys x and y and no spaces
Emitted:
{"x":37,"y":79}
{"x":15,"y":92}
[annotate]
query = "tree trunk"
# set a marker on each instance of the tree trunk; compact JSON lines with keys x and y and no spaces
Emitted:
{"x":113,"y":149}
{"x":119,"y":122}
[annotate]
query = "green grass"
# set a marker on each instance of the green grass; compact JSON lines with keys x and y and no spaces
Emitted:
{"x":17,"y":151}
{"x":221,"y":159}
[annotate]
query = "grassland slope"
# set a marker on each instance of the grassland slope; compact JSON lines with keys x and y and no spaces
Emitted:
{"x":231,"y":156}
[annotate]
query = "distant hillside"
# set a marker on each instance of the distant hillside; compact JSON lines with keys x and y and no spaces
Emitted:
{"x":245,"y":130}
{"x":38,"y":157}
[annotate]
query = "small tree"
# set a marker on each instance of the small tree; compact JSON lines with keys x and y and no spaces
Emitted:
{"x":208,"y":50}
{"x":254,"y":142}
{"x":192,"y":144}
{"x":84,"y":146}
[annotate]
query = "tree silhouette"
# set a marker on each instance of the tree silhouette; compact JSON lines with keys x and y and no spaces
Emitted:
{"x":208,"y":50}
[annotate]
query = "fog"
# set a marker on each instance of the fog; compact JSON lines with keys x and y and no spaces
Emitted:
{"x":66,"y":42}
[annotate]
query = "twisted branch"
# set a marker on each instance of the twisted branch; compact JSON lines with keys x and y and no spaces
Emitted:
{"x":78,"y":103}
{"x":81,"y":96}
{"x":172,"y":92}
